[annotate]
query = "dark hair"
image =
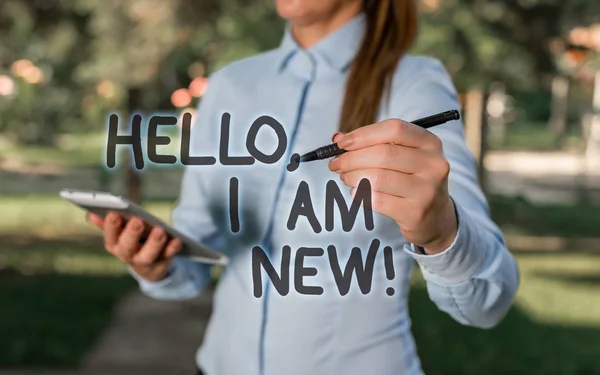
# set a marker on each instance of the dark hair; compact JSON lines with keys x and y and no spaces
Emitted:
{"x":391,"y":28}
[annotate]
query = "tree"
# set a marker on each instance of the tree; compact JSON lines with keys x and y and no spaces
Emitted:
{"x":129,"y":41}
{"x":38,"y":50}
{"x":519,"y":42}
{"x":144,"y":45}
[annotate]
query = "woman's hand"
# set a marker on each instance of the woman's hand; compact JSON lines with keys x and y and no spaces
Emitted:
{"x":150,"y":260}
{"x":408,"y":172}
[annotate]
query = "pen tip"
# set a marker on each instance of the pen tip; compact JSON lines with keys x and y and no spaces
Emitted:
{"x":308,"y":157}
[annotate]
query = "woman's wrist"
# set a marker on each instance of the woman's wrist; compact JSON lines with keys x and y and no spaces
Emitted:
{"x":449,"y":229}
{"x":153,"y":273}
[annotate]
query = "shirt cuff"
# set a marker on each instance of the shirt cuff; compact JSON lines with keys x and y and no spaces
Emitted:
{"x":175,"y":276}
{"x":460,"y":261}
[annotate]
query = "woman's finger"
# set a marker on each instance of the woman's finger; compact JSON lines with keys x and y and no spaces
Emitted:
{"x":172,"y":248}
{"x":388,"y":205}
{"x":385,"y":181}
{"x":112,"y":226}
{"x":383,"y":156}
{"x":152,"y":249}
{"x":129,"y":240}
{"x":95,"y":220}
{"x":390,"y":131}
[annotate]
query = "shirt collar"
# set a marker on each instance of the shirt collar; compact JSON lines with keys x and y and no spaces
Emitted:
{"x":337,"y":49}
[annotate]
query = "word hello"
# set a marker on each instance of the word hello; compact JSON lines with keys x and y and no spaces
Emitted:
{"x":154,"y":140}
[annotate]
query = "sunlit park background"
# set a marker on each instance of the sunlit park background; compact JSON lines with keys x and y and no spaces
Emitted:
{"x":529,"y":77}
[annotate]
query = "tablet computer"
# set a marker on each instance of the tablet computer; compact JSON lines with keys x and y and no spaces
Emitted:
{"x":100,"y":203}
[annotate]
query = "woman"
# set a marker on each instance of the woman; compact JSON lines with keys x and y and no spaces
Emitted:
{"x":340,"y":71}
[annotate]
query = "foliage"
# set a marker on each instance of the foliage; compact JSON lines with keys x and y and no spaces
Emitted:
{"x":518,"y":42}
{"x":49,"y":34}
{"x":91,"y":52}
{"x":472,"y":53}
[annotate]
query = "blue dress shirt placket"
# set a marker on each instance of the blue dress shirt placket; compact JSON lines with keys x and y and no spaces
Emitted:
{"x":303,"y":64}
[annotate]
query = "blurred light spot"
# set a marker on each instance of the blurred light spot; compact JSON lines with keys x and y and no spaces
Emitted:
{"x":595,"y":37}
{"x":496,"y":107}
{"x":140,"y":11}
{"x":19,"y":66}
{"x":106,"y":89}
{"x":181,"y":98}
{"x":7,"y":85}
{"x":32,"y":74}
{"x":579,"y":36}
{"x":586,"y":36}
{"x":198,"y":86}
{"x":196,"y":70}
{"x":430,"y":5}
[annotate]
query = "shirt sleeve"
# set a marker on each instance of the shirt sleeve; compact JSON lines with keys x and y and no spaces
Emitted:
{"x":187,"y":279}
{"x":475,"y":279}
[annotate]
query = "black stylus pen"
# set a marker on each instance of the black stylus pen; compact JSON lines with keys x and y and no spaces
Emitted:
{"x":332,"y":150}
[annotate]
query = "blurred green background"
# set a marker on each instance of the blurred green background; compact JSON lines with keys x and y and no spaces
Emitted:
{"x":528,"y":74}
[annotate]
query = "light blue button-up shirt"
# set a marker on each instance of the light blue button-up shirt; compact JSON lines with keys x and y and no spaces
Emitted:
{"x":474,"y":280}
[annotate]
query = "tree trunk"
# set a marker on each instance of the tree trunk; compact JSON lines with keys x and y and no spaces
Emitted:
{"x":590,"y":161}
{"x":593,"y":133}
{"x":475,"y":129}
{"x":133,"y":179}
{"x":559,"y":110}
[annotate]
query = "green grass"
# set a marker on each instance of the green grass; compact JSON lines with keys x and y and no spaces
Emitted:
{"x":49,"y":216}
{"x":56,"y":301}
{"x":553,"y":328}
{"x":58,"y":291}
{"x":61,"y":298}
{"x":72,"y":150}
{"x":58,"y":287}
{"x":518,"y":216}
{"x":531,"y":136}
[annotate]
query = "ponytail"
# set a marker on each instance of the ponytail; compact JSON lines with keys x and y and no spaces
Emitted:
{"x":391,"y":28}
